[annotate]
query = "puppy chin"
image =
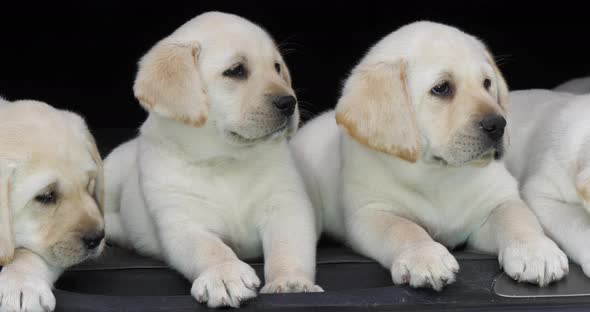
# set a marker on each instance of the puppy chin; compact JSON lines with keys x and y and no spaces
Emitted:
{"x":482,"y":161}
{"x":65,"y":254}
{"x":277,"y":134}
{"x":477,"y":160}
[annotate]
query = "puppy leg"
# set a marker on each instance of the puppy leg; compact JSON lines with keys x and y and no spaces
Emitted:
{"x":25,"y":284}
{"x":401,"y":245}
{"x":118,"y":168}
{"x":525,"y":253}
{"x":566,"y":223}
{"x":220,"y":278}
{"x":6,"y":234}
{"x":289,"y":240}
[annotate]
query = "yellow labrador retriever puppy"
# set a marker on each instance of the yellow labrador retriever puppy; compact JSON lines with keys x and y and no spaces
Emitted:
{"x":550,"y":157}
{"x":416,"y":164}
{"x":210,"y":179}
{"x":51,"y":188}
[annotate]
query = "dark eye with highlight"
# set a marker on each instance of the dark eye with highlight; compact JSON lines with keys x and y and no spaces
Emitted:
{"x":487,"y":83}
{"x":278,"y":68}
{"x":47,"y":198}
{"x":236,"y":71}
{"x":441,"y":89}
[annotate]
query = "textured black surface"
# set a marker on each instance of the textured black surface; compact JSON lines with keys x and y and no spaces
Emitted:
{"x":124,"y":281}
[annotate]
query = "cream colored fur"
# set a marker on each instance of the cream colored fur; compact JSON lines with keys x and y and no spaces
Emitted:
{"x":210,"y":180}
{"x":45,"y":151}
{"x":402,"y":174}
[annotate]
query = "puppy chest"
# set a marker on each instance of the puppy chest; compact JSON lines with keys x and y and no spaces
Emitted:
{"x":244,"y":241}
{"x":229,"y":210}
{"x":449,"y":221}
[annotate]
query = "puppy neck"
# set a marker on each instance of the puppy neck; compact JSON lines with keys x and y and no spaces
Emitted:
{"x":203,"y":145}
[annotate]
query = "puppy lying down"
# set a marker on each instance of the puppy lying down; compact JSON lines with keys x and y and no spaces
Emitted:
{"x":550,"y":156}
{"x":415,"y":165}
{"x":575,"y":86}
{"x":51,"y":201}
{"x":210,"y":179}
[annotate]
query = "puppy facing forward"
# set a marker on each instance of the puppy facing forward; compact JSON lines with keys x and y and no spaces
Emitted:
{"x":550,"y":156}
{"x":415,"y":165}
{"x":210,"y":179}
{"x":51,"y":188}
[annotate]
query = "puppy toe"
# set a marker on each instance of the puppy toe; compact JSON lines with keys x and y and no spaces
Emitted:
{"x":537,"y":261}
{"x":226,"y":285}
{"x":199,"y":291}
{"x":400,"y":274}
{"x":451,"y":263}
{"x":290,"y":284}
{"x":19,"y":293}
{"x":429,"y":265}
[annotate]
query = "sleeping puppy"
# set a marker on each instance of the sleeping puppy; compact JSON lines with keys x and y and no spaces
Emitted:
{"x":210,"y":179}
{"x":416,"y":165}
{"x":576,"y":86}
{"x":550,"y":156}
{"x":51,"y":188}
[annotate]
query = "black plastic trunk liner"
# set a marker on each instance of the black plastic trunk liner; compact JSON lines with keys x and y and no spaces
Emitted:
{"x":123,"y":281}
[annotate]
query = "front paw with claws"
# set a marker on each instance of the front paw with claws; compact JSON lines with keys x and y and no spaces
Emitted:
{"x":537,"y":261}
{"x":290,"y":284}
{"x":226,"y":285}
{"x":428,"y":264}
{"x":21,"y":292}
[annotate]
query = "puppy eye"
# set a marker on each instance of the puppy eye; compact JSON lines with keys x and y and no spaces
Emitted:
{"x":278,"y":68}
{"x":236,"y":71}
{"x":487,"y":83}
{"x":47,"y":198}
{"x":441,"y":89}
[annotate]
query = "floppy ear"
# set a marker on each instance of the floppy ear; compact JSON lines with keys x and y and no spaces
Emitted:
{"x":7,"y":244}
{"x":99,"y":184}
{"x":80,"y":127}
{"x":376,"y":111}
{"x":168,"y":83}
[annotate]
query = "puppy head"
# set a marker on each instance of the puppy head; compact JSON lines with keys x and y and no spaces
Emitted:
{"x":427,"y":90}
{"x":221,"y":72}
{"x":56,"y":192}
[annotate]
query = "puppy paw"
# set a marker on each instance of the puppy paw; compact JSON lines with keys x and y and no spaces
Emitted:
{"x":20,"y":292}
{"x":429,"y":264}
{"x":586,"y":267}
{"x":290,"y":284}
{"x":226,"y":284}
{"x":537,"y":261}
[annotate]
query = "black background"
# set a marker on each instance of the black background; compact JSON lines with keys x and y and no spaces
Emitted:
{"x":82,"y":55}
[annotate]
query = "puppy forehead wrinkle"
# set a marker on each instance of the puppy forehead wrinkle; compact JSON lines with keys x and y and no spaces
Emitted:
{"x":221,"y":51}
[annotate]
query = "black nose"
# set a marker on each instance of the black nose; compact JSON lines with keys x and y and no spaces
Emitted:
{"x":493,"y":126}
{"x":92,"y":241}
{"x":285,"y":104}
